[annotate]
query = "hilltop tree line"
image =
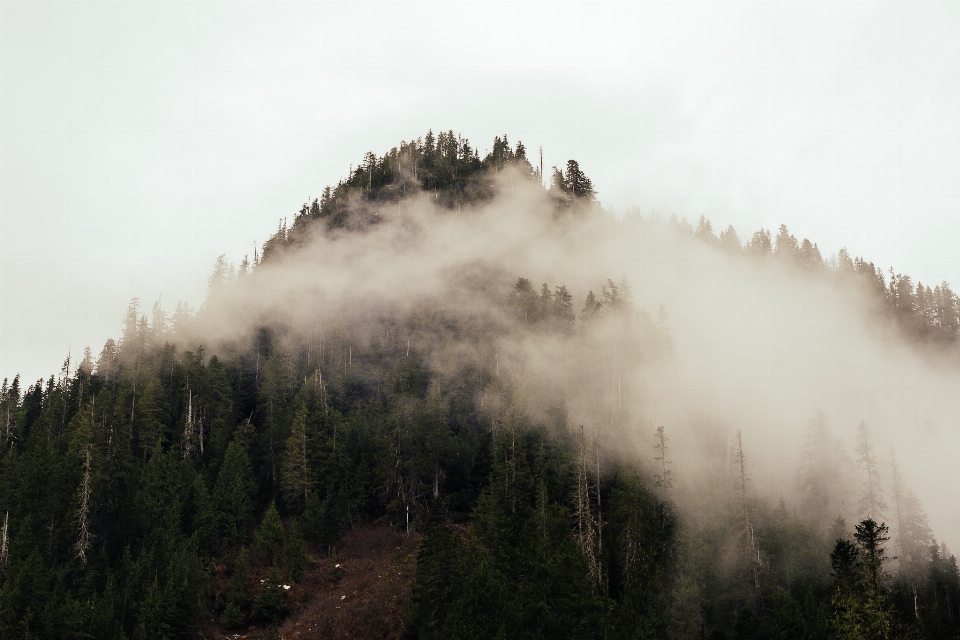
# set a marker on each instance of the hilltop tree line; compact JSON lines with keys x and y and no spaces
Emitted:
{"x":924,"y":315}
{"x":445,"y":167}
{"x":450,"y":168}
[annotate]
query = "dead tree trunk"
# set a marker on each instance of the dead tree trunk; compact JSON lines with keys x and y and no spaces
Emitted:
{"x":741,"y":490}
{"x":3,"y":541}
{"x":663,"y":479}
{"x":83,"y":540}
{"x":587,"y":526}
{"x":188,"y":426}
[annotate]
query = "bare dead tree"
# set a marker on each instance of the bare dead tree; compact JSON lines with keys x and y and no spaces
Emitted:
{"x":663,"y":479}
{"x":741,"y":494}
{"x":588,"y":526}
{"x":599,"y":519}
{"x":83,"y":540}
{"x":897,"y":500}
{"x":64,"y":386}
{"x":3,"y":541}
{"x":188,"y":426}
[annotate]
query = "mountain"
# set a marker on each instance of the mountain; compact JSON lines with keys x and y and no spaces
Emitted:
{"x":448,"y":401}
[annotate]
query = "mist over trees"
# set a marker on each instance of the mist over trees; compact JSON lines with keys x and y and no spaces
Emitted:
{"x":925,"y":316}
{"x":189,"y":478}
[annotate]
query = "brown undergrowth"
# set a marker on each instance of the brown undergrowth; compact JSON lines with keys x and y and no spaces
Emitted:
{"x":358,"y":591}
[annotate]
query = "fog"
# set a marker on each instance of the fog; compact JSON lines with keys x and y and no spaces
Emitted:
{"x":758,"y":346}
{"x":161,"y":133}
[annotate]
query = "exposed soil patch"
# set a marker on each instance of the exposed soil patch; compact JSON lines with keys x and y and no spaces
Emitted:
{"x":362,"y":598}
{"x":357,"y":592}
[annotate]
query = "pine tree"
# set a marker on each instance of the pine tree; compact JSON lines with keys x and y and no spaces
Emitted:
{"x":704,"y":231}
{"x":846,"y":619}
{"x":860,"y":607}
{"x":591,"y":308}
{"x":760,"y":244}
{"x":729,"y":241}
{"x":294,"y":473}
{"x":270,"y":537}
{"x":234,"y":492}
{"x":588,"y":520}
{"x":823,"y":475}
{"x":786,"y":244}
{"x":434,"y":588}
{"x":747,"y":528}
{"x":524,"y":302}
{"x":563,"y":309}
{"x":270,"y":604}
{"x":294,"y":553}
{"x":83,"y":513}
{"x":577,"y":183}
{"x":872,"y":503}
{"x":663,"y":480}
{"x":876,"y":612}
{"x":237,"y":598}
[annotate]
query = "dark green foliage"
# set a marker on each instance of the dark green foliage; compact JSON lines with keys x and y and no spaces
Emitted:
{"x":860,"y":605}
{"x":269,"y":539}
{"x":445,"y":166}
{"x":940,"y":592}
{"x":434,"y":584}
{"x":519,"y":573}
{"x":270,"y":604}
{"x":234,"y":493}
{"x":642,"y":533}
{"x":294,"y":553}
{"x":237,"y":598}
{"x":572,"y":188}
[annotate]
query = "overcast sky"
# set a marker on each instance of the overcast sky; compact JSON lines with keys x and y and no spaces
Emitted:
{"x":140,"y":140}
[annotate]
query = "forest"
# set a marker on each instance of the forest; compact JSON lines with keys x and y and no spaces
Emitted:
{"x":440,"y":346}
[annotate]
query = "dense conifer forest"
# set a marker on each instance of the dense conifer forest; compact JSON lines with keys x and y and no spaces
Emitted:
{"x":186,"y":483}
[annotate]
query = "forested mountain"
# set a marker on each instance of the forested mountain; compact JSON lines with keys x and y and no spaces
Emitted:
{"x":412,"y":353}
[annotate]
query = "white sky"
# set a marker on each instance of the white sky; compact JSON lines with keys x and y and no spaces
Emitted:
{"x":139,"y":140}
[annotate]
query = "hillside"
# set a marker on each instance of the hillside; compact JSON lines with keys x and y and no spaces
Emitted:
{"x":468,"y":405}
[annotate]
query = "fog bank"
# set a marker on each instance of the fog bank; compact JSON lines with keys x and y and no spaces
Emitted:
{"x":757,"y":345}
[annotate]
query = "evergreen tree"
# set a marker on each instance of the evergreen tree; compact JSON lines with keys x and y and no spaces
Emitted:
{"x":729,"y":241}
{"x":237,"y":598}
{"x":295,"y":471}
{"x":860,"y":606}
{"x":434,"y":585}
{"x":563,"y":309}
{"x":269,"y":539}
{"x":592,"y":308}
{"x":577,"y":183}
{"x":234,"y":492}
{"x":872,"y":503}
{"x":760,"y":243}
{"x":270,"y":605}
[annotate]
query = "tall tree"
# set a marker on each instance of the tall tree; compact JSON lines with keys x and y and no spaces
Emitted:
{"x":234,"y":492}
{"x":295,"y":473}
{"x":563,"y":309}
{"x":913,"y":535}
{"x":663,"y":480}
{"x":872,"y":503}
{"x":588,"y":519}
{"x":577,"y":183}
{"x":823,"y":475}
{"x":747,"y":533}
{"x":83,"y":513}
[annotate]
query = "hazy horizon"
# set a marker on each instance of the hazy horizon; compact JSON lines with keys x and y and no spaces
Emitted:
{"x":138,"y":141}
